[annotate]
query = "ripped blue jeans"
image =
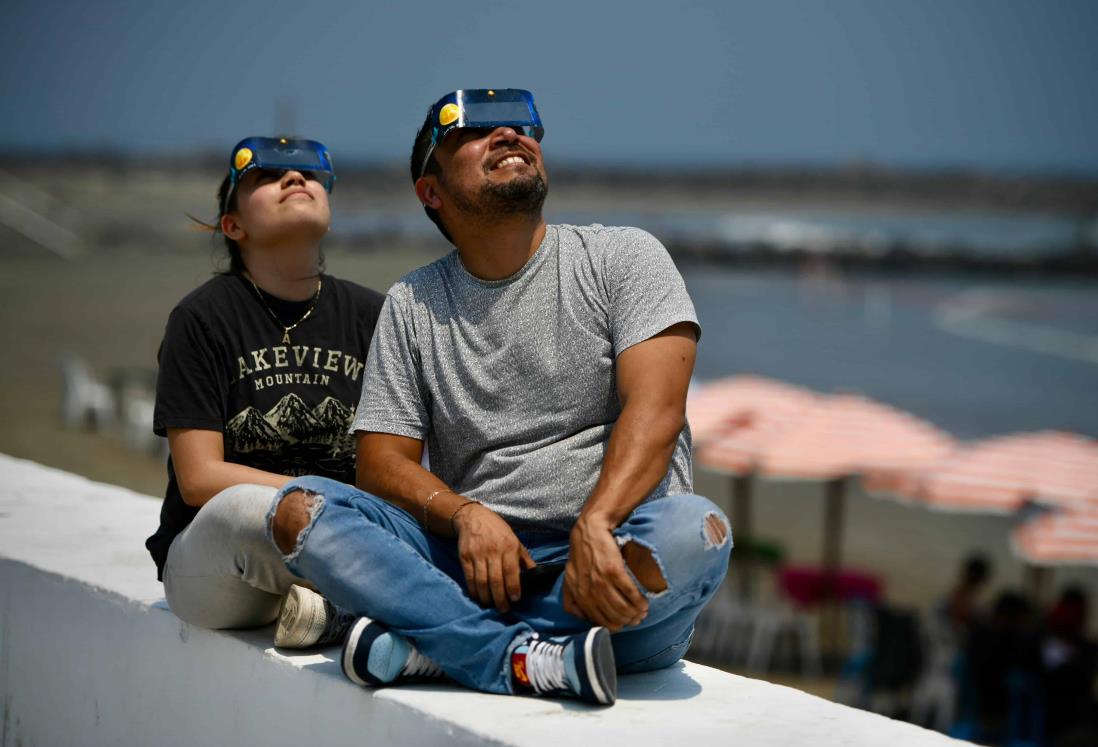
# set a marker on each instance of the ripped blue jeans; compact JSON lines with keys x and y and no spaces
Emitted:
{"x":372,"y":558}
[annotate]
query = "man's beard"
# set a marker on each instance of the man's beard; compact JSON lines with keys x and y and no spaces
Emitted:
{"x":523,"y":195}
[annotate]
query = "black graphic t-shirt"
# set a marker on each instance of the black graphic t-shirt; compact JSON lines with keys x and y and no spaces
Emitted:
{"x":282,"y":408}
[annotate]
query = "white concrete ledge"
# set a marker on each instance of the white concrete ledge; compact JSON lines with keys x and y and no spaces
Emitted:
{"x":90,"y":655}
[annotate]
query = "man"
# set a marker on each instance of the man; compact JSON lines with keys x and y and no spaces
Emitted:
{"x":546,"y":367}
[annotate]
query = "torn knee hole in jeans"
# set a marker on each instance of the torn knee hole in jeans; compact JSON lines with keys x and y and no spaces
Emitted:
{"x":714,"y":530}
{"x":644,"y":565}
{"x":295,"y":513}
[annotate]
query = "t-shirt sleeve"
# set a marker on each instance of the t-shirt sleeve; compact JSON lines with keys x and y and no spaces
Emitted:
{"x":647,"y":293}
{"x":191,"y":388}
{"x":393,"y":398}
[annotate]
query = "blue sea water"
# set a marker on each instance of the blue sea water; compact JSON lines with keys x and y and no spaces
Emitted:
{"x":977,"y":233}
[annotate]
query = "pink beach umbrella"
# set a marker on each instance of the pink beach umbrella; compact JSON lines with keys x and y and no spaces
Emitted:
{"x":1067,"y":537}
{"x":718,"y":408}
{"x":1002,"y":475}
{"x":844,"y":435}
{"x":754,"y":412}
{"x":999,"y":475}
{"x":828,"y":438}
{"x":847,"y":435}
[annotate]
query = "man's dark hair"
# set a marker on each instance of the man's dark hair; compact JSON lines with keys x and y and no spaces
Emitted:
{"x":419,"y":153}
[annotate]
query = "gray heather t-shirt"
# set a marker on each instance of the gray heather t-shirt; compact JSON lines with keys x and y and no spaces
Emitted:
{"x":512,"y":382}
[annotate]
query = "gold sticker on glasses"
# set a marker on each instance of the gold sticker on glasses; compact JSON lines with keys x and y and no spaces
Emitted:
{"x":448,"y":115}
{"x":243,"y":158}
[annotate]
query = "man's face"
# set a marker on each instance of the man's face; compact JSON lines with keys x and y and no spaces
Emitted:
{"x":492,"y":171}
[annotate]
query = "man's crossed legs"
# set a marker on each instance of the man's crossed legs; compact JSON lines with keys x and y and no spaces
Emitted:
{"x":373,"y":559}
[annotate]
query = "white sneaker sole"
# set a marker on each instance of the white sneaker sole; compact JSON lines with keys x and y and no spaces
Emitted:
{"x":598,"y":687}
{"x":349,"y":647}
{"x":301,"y":619}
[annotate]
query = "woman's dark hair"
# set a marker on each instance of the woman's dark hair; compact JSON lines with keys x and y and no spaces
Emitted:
{"x":236,"y":262}
{"x":419,"y":152}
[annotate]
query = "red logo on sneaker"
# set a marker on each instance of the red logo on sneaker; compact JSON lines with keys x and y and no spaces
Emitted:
{"x":518,"y":668}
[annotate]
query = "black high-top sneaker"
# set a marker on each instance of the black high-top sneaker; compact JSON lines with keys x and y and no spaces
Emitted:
{"x":580,"y":665}
{"x":373,"y":656}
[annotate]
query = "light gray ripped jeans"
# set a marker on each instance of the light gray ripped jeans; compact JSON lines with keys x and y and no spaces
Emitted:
{"x":221,"y":570}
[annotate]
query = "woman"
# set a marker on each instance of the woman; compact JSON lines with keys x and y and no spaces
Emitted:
{"x":260,"y":371}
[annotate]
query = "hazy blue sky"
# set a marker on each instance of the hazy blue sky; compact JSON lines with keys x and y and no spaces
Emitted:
{"x":992,"y":83}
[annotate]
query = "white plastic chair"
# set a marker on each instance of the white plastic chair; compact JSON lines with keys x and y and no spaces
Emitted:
{"x":770,"y":624}
{"x":934,"y":698}
{"x":85,"y":402}
{"x":723,"y":630}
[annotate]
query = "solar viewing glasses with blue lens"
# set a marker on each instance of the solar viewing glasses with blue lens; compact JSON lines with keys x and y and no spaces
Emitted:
{"x":482,"y":108}
{"x":279,"y":154}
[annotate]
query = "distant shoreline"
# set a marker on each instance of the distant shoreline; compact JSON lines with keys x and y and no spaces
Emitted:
{"x":825,"y":184}
{"x":850,"y":217}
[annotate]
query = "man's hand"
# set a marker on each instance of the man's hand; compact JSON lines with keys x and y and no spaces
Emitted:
{"x":597,"y":586}
{"x":491,"y":556}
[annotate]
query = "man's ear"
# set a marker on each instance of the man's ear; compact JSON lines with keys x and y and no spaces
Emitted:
{"x":427,"y":192}
{"x":231,"y":227}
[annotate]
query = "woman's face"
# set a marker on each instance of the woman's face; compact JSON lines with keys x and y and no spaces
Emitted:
{"x":279,"y":207}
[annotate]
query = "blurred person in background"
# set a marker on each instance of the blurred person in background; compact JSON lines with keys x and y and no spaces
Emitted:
{"x":939,"y":694}
{"x":259,"y":371}
{"x":962,"y":606}
{"x":1068,"y":664}
{"x":1000,"y":685}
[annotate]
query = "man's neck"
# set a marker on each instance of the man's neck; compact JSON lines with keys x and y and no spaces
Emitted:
{"x":284,"y":272}
{"x":500,"y":249}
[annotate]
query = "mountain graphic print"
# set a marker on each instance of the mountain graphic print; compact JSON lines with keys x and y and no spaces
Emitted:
{"x":292,"y":439}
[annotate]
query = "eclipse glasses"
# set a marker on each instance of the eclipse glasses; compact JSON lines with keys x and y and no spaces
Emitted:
{"x":482,"y":108}
{"x":279,"y":154}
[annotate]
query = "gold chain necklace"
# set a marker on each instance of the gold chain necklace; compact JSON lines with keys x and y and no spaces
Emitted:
{"x":286,"y":330}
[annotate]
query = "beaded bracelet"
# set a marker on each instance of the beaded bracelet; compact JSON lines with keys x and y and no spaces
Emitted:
{"x":430,"y":498}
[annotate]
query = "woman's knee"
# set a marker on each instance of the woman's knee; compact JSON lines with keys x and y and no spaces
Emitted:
{"x":219,"y":602}
{"x":231,"y":519}
{"x":240,"y":508}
